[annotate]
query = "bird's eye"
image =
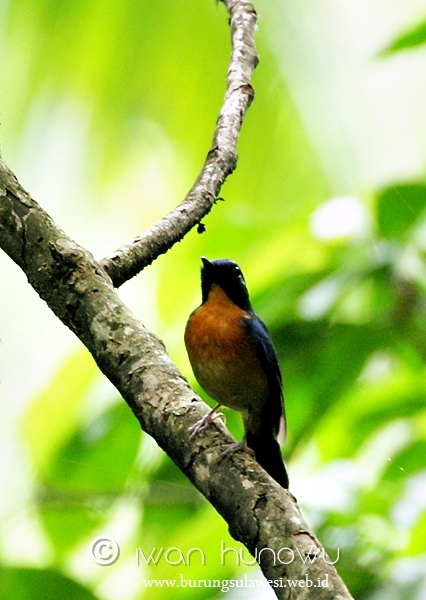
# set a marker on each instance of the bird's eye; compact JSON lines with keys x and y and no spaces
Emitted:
{"x":237,"y":273}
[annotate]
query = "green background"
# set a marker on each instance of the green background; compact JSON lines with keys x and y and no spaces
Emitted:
{"x":107,"y":112}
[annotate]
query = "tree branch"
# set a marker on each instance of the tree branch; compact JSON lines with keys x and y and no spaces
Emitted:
{"x":221,"y":159}
{"x":79,"y":290}
{"x":260,"y":514}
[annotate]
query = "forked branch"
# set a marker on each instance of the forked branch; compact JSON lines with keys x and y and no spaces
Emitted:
{"x":221,"y":159}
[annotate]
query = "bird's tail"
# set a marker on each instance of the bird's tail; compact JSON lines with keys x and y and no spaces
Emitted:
{"x":268,"y":454}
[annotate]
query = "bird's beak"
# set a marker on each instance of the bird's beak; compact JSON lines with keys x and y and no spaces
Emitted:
{"x":206,"y":262}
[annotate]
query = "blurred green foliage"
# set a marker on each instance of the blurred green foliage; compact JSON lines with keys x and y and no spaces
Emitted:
{"x":26,"y":584}
{"x":334,"y":254}
{"x":411,"y":38}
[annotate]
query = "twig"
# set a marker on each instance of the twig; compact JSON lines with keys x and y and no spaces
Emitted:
{"x":221,"y":159}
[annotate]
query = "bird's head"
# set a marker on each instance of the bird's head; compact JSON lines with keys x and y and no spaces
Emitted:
{"x":226,"y":274}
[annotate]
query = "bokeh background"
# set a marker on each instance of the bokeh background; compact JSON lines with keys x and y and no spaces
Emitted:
{"x":107,"y":113}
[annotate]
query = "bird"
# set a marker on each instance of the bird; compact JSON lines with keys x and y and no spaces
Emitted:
{"x":235,"y":362}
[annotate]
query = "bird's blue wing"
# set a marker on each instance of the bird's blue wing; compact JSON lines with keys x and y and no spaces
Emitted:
{"x":260,"y":338}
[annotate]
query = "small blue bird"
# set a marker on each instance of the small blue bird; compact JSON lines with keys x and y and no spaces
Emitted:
{"x":235,"y":362}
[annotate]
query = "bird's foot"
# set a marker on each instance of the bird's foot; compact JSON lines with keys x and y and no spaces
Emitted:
{"x":235,"y":448}
{"x":205,"y":422}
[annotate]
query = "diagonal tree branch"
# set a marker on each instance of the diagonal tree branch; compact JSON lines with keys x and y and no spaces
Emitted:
{"x":260,"y":514}
{"x":221,"y":159}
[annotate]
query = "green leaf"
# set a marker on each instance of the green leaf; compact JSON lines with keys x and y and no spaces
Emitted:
{"x":169,"y":491}
{"x":205,"y":532}
{"x":55,"y":412}
{"x":368,"y":407}
{"x":99,"y":456}
{"x":399,"y":207}
{"x":88,"y":474}
{"x":414,"y":37}
{"x":412,"y":459}
{"x":324,"y":362}
{"x":417,"y":542}
{"x":27,"y":584}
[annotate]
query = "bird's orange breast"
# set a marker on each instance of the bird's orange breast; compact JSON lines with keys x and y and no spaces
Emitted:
{"x":223,"y":358}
